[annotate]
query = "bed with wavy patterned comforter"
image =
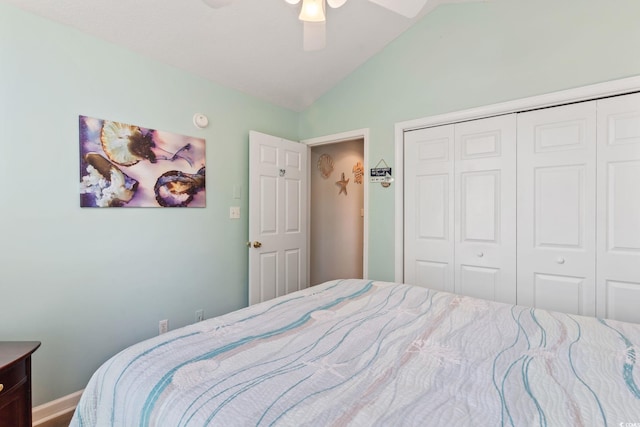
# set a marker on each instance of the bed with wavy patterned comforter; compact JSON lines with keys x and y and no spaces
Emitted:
{"x":363,"y":353}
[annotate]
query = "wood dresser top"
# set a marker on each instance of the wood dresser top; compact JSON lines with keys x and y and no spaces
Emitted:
{"x":12,"y":351}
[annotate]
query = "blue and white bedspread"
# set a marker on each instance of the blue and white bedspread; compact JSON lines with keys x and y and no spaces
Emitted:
{"x":362,"y":353}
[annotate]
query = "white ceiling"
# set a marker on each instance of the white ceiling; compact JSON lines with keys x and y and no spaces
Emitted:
{"x":254,"y":46}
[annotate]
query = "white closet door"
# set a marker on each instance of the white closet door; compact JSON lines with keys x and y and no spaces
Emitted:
{"x":428,"y":222}
{"x":556,"y":208}
{"x":619,"y":208}
{"x":485,"y":208}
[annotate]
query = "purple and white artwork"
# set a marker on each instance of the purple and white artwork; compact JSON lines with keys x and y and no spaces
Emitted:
{"x":124,"y":165}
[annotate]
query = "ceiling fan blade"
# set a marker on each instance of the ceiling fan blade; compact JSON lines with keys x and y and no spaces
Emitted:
{"x":408,"y":8}
{"x":315,"y":35}
{"x":217,"y":3}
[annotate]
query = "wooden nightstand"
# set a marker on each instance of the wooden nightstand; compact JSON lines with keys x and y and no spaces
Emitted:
{"x":15,"y":383}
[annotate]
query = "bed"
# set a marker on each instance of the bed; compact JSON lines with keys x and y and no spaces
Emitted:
{"x":368,"y":353}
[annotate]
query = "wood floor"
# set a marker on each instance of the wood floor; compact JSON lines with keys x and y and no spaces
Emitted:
{"x":61,"y":421}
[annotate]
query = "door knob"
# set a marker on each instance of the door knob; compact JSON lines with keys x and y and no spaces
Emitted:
{"x":257,"y":244}
{"x":560,"y":260}
{"x":480,"y":254}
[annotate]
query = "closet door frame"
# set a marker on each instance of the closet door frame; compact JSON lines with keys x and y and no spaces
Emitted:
{"x":600,"y":90}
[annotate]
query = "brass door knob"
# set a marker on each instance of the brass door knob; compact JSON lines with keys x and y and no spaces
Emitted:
{"x":1,"y":387}
{"x":257,"y":244}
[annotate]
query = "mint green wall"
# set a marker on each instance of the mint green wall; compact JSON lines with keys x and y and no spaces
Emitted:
{"x":467,"y":55}
{"x":88,"y":282}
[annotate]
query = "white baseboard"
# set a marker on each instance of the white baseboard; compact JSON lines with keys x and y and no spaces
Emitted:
{"x":56,"y":408}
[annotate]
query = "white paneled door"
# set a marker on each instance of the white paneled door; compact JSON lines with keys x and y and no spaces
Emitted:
{"x":485,"y":208}
{"x":429,"y":208}
{"x":460,"y":208}
{"x":278,"y":204}
{"x":539,"y":208}
{"x":618,"y":268}
{"x":557,"y":208}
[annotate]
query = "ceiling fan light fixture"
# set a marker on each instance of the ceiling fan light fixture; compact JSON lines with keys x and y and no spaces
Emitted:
{"x":312,"y":11}
{"x":336,"y":3}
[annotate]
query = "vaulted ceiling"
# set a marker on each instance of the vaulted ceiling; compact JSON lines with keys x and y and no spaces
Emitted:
{"x":254,"y":46}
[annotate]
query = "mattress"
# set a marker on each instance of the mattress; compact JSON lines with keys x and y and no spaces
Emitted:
{"x":368,"y":353}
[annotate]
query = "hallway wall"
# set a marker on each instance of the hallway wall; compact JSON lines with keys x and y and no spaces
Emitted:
{"x":336,"y":219}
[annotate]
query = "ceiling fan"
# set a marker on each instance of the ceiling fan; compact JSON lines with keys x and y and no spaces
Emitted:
{"x":312,"y":14}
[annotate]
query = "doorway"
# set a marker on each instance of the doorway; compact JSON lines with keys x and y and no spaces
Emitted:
{"x":338,"y":222}
{"x":336,"y":211}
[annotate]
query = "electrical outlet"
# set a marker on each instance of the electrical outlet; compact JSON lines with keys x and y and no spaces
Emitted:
{"x":199,"y":315}
{"x":163,"y":326}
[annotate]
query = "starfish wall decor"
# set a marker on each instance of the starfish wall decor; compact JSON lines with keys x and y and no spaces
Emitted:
{"x":343,"y":185}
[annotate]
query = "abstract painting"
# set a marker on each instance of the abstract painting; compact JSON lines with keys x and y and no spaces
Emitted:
{"x":124,"y":165}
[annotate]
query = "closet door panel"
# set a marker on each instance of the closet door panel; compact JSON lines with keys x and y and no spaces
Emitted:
{"x":428,"y":238}
{"x":432,"y":201}
{"x":480,"y":206}
{"x":479,"y":282}
{"x":559,"y":209}
{"x":622,"y":207}
{"x":618,"y":279}
{"x":485,"y":209}
{"x":556,"y":208}
{"x":559,"y":293}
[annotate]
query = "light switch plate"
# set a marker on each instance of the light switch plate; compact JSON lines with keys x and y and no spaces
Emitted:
{"x":234,"y":212}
